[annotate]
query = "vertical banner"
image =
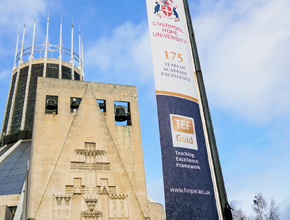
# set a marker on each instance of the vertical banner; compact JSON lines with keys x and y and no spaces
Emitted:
{"x":188,"y":179}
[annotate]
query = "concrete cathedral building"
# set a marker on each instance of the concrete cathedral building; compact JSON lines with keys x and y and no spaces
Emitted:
{"x":70,"y":149}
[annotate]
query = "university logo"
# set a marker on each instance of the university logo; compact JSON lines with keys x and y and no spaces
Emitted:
{"x":183,"y":132}
{"x":166,"y":9}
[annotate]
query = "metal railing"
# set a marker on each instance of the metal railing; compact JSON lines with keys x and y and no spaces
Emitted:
{"x":66,"y":53}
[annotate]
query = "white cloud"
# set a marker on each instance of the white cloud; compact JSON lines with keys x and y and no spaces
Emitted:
{"x":244,"y":48}
{"x":17,"y":10}
{"x":126,"y":51}
{"x":14,"y":14}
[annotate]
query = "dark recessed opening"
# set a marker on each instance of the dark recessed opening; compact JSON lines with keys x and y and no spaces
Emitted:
{"x":122,"y":113}
{"x":102,"y":104}
{"x":75,"y":104}
{"x":51,"y":104}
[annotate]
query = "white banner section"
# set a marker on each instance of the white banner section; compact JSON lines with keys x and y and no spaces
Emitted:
{"x":172,"y":58}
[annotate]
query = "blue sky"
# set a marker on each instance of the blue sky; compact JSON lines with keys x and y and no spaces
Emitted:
{"x":244,"y":47}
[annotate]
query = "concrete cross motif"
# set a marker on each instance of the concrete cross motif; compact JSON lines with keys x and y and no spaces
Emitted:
{"x":77,"y":188}
{"x":105,"y":188}
{"x":89,"y":160}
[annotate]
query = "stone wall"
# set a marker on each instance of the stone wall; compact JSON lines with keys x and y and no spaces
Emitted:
{"x":5,"y":213}
{"x":82,"y":165}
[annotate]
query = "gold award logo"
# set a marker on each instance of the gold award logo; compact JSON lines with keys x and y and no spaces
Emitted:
{"x":183,"y":132}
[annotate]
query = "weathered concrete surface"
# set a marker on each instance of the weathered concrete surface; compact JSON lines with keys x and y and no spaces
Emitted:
{"x":5,"y":213}
{"x":156,"y":211}
{"x":9,"y":200}
{"x":82,"y":164}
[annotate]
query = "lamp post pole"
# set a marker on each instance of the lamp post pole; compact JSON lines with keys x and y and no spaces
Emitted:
{"x":257,"y":202}
{"x":226,"y":209}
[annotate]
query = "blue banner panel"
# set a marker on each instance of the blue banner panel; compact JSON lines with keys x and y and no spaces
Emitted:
{"x":189,"y":193}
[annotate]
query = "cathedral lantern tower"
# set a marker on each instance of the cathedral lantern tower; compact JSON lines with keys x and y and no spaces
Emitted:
{"x":19,"y":112}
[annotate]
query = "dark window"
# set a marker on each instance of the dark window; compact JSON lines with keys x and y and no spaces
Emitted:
{"x":9,"y":103}
{"x":74,"y":104}
{"x":36,"y":71}
{"x":19,"y":100}
{"x":122,"y":113}
{"x":12,"y":209}
{"x":52,"y":70}
{"x":77,"y":76}
{"x":102,"y":105}
{"x":66,"y":72}
{"x":51,"y":104}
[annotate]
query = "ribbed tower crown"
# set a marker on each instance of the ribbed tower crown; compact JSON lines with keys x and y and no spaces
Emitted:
{"x":19,"y":112}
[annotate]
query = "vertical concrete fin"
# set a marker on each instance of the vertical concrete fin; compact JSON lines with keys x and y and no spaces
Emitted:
{"x":33,"y":41}
{"x":60,"y":51}
{"x":72,"y":52}
{"x":16,"y":49}
{"x":25,"y":103}
{"x":22,"y":45}
{"x":46,"y":47}
{"x":15,"y":87}
{"x":20,"y":206}
{"x":80,"y":61}
{"x":83,"y":60}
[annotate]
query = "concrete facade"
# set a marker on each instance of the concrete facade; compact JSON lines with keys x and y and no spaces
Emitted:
{"x":9,"y":200}
{"x":156,"y":211}
{"x":5,"y":213}
{"x":83,"y":165}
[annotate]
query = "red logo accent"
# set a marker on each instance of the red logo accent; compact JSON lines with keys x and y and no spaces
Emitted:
{"x":166,"y":10}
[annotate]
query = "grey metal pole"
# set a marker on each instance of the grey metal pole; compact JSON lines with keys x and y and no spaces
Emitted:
{"x":257,"y":202}
{"x":215,"y":157}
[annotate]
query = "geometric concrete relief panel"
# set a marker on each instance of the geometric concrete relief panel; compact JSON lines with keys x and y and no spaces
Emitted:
{"x":86,"y":199}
